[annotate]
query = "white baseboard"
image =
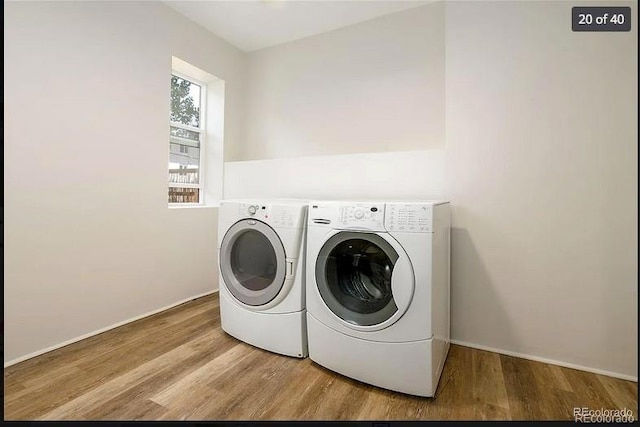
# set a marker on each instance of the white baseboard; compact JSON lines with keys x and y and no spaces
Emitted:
{"x":99,"y":331}
{"x":545,"y":360}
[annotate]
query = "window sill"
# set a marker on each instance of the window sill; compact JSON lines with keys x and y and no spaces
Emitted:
{"x":214,"y":206}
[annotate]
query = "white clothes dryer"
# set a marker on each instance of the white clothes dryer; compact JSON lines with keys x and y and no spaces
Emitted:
{"x":261,"y":246}
{"x":378,"y":291}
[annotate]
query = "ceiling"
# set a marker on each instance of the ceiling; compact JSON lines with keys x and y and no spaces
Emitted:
{"x":257,"y":24}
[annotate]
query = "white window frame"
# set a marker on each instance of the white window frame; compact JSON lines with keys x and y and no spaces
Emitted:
{"x":202,"y":132}
{"x":213,"y":119}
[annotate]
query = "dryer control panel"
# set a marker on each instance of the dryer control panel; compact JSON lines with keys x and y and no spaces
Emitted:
{"x":409,"y":217}
{"x":284,"y":216}
{"x":276,"y":215}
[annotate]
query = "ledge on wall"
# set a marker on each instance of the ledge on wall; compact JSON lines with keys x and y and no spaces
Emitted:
{"x":392,"y":175}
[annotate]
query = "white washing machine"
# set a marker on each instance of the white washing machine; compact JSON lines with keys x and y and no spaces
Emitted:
{"x":378,"y":291}
{"x":261,"y":246}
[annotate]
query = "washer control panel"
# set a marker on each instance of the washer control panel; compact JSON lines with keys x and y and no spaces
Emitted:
{"x":368,"y":216}
{"x":410,"y":217}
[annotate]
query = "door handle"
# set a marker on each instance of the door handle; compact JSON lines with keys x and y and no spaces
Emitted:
{"x":289,"y":268}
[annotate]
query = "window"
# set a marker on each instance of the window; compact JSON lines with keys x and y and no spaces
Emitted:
{"x":196,"y":136}
{"x":186,"y":140}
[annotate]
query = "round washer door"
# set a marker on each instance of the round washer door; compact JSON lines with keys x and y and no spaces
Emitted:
{"x":252,"y":262}
{"x":365,"y":279}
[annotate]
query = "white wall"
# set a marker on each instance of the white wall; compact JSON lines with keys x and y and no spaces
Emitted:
{"x":370,"y":87}
{"x":343,"y":176}
{"x":542,"y":165}
{"x":89,"y":239}
{"x":541,"y":148}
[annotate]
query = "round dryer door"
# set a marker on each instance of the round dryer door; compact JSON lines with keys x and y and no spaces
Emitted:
{"x":252,"y":262}
{"x":363,"y":279}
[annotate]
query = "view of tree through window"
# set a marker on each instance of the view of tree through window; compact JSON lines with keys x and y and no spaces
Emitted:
{"x":185,"y":141}
{"x":184,"y":108}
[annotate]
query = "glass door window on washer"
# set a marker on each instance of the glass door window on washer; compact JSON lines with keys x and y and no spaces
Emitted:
{"x":353,"y":274}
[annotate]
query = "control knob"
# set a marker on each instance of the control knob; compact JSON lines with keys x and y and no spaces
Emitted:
{"x":253,"y":209}
{"x":358,"y":214}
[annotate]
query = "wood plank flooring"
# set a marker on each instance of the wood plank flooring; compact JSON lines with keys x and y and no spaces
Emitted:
{"x":180,"y":365}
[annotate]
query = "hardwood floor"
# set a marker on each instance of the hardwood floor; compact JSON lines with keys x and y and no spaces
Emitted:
{"x":180,"y":365}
